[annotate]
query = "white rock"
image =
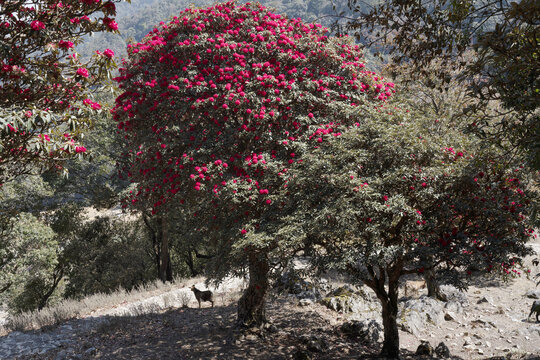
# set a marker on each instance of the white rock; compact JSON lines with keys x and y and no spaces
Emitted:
{"x":305,"y":302}
{"x":486,"y":299}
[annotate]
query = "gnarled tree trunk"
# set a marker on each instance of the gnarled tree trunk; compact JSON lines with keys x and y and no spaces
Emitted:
{"x":434,"y":289}
{"x":389,"y":313}
{"x":389,"y":302}
{"x":251,"y":306}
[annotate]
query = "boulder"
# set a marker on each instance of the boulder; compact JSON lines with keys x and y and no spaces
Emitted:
{"x":366,"y":332}
{"x":449,"y":316}
{"x":486,"y":299}
{"x":416,"y":313}
{"x":456,"y":299}
{"x":424,"y":349}
{"x":442,"y":350}
{"x":344,"y":290}
{"x":292,"y":283}
{"x":346,"y":300}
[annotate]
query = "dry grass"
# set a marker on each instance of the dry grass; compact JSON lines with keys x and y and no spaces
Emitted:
{"x":70,"y":309}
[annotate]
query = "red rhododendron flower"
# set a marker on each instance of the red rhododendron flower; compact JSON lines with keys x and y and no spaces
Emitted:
{"x":82,"y":72}
{"x":110,"y":23}
{"x":37,"y":25}
{"x":65,"y":44}
{"x":108,"y":53}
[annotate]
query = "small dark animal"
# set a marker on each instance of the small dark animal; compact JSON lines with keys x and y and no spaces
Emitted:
{"x":535,"y":309}
{"x":203,"y":295}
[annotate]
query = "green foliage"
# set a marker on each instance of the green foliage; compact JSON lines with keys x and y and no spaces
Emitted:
{"x":28,"y":255}
{"x":92,"y":180}
{"x":508,"y":62}
{"x":106,"y":255}
{"x":30,"y":194}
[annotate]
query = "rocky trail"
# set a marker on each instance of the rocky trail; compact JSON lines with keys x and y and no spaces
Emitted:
{"x":307,"y":321}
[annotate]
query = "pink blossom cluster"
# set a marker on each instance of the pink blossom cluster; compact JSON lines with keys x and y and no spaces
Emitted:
{"x":110,"y":24}
{"x":37,"y":25}
{"x":77,"y":20}
{"x":82,"y":72}
{"x":65,"y":44}
{"x":92,"y":104}
{"x":108,"y":53}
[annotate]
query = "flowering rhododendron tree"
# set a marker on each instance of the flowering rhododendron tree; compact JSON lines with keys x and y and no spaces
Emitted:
{"x":44,"y":87}
{"x":218,"y":104}
{"x":399,"y":193}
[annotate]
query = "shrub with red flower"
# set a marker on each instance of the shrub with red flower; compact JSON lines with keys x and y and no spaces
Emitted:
{"x":389,"y":197}
{"x":37,"y":79}
{"x":231,"y":91}
{"x":110,"y":24}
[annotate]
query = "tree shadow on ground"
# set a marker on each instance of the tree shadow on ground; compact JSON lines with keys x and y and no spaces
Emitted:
{"x":210,"y":333}
{"x":489,"y":280}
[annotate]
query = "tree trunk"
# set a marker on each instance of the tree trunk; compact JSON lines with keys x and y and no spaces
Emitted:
{"x":165,"y":272}
{"x":434,"y":290}
{"x":56,"y":280}
{"x":389,"y":302}
{"x":169,"y":275}
{"x":155,"y":243}
{"x":251,"y":306}
{"x":391,"y":334}
{"x":190,"y":263}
